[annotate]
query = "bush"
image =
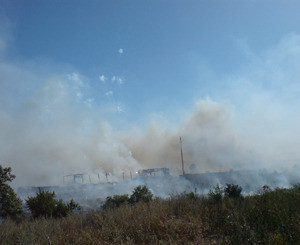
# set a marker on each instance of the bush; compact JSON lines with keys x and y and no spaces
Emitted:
{"x":44,"y":205}
{"x":141,"y":193}
{"x":275,"y":216}
{"x":115,"y":201}
{"x":216,"y":195}
{"x":73,"y":206}
{"x":232,"y":191}
{"x":10,"y":204}
{"x":268,"y":218}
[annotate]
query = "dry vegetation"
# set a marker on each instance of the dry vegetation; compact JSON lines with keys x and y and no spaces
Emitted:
{"x":270,"y":217}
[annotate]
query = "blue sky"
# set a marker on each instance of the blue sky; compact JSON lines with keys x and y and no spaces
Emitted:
{"x":222,"y":74}
{"x":171,"y":48}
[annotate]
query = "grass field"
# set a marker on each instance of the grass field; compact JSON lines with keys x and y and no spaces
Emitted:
{"x":269,"y":217}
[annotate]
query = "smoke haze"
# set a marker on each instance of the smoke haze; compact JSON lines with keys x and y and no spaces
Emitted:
{"x":52,"y":124}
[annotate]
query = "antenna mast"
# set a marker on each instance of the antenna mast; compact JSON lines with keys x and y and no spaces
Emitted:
{"x":182,"y":164}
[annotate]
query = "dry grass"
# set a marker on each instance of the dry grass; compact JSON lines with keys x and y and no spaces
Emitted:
{"x":269,"y":218}
{"x":144,"y":223}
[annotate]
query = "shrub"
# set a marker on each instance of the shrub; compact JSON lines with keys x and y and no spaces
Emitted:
{"x":115,"y":201}
{"x":232,"y":191}
{"x":10,"y":204}
{"x":216,"y":195}
{"x":44,"y":205}
{"x":275,"y":216}
{"x":73,"y":205}
{"x":192,"y":196}
{"x":141,"y":193}
{"x":269,"y":218}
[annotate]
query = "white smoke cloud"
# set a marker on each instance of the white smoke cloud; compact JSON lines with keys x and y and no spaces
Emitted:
{"x":49,"y":125}
{"x":266,"y":97}
{"x":208,"y":141}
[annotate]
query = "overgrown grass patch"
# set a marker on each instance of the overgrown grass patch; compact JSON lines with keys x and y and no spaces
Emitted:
{"x":269,"y":217}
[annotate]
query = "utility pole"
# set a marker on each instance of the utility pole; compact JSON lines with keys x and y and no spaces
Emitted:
{"x":182,"y":164}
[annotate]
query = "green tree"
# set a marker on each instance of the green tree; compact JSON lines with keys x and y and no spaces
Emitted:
{"x":233,"y":191}
{"x":10,"y":204}
{"x":45,"y":205}
{"x":141,"y":193}
{"x":115,"y":201}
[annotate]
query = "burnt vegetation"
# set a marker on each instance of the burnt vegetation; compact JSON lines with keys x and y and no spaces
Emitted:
{"x":223,"y":216}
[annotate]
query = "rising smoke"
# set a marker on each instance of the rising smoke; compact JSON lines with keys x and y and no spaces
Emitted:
{"x":51,"y":126}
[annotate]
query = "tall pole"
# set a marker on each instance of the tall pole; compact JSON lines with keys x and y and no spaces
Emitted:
{"x":182,"y":164}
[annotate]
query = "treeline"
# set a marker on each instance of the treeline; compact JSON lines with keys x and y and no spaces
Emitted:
{"x":224,"y":216}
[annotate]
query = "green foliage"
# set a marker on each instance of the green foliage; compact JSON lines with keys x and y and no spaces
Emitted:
{"x":216,"y":195}
{"x":72,"y":205}
{"x":271,"y":217}
{"x":232,"y":191}
{"x":115,"y":201}
{"x":61,"y":209}
{"x":141,"y":193}
{"x":45,"y":205}
{"x":10,"y":204}
{"x":274,"y":215}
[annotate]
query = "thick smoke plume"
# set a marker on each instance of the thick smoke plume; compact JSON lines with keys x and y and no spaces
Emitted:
{"x":52,"y":125}
{"x":209,"y":142}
